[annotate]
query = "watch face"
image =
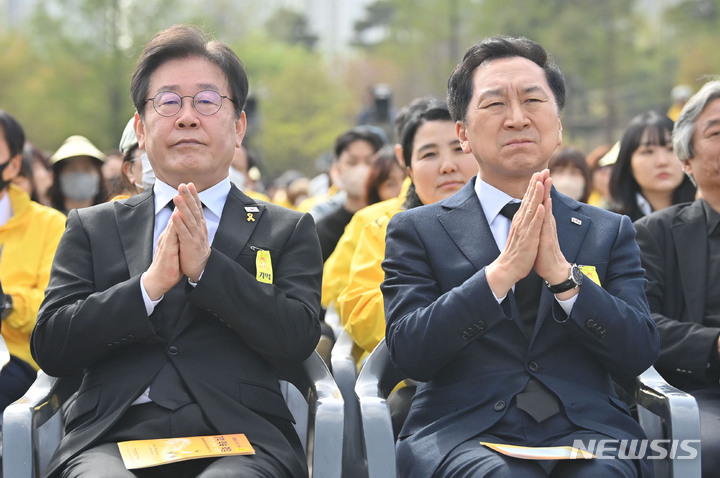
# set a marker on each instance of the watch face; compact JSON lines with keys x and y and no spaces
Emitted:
{"x":577,"y":275}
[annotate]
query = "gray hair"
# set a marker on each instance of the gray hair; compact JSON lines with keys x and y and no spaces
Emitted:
{"x":685,"y":125}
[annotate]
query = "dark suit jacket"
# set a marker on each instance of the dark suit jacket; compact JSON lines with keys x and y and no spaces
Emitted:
{"x":230,"y":329}
{"x":673,"y":243}
{"x":445,"y":327}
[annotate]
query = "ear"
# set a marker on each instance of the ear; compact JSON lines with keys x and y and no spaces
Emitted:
{"x":399,"y":155}
{"x":140,"y":131}
{"x":461,"y":131}
{"x":13,"y":168}
{"x":687,"y":166}
{"x":240,"y":128}
{"x":560,"y":130}
{"x":127,"y":171}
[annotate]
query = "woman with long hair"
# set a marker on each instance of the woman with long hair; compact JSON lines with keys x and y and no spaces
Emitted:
{"x":647,"y":175}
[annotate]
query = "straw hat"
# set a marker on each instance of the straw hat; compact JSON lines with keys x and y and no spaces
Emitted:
{"x":76,"y":146}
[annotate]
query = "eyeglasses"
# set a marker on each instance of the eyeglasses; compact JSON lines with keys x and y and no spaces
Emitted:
{"x":206,"y":102}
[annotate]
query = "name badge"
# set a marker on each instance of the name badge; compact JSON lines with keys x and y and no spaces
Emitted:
{"x":263,"y":265}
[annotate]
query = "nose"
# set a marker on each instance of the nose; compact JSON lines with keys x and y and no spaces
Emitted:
{"x":516,"y":119}
{"x":448,"y":164}
{"x":667,"y":156}
{"x":187,"y":116}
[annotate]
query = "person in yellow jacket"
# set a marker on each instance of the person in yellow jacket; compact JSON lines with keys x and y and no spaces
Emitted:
{"x":29,"y":235}
{"x":438,"y":168}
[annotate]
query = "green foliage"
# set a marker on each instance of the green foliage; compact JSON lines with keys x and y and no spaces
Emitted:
{"x":67,"y":71}
{"x":301,"y":108}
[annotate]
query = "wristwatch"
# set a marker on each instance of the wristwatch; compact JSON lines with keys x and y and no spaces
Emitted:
{"x":6,"y":308}
{"x":573,"y":282}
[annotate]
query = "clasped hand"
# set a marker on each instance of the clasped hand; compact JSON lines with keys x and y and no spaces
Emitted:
{"x":532,"y":243}
{"x":183,"y":247}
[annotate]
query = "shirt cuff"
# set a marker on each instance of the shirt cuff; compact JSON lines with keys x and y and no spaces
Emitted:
{"x":193,"y":284}
{"x":567,"y":305}
{"x":149,"y":303}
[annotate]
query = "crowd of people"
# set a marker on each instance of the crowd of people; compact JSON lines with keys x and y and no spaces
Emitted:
{"x":155,"y":269}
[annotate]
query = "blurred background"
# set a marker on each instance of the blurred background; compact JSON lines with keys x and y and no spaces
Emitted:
{"x":319,"y":67}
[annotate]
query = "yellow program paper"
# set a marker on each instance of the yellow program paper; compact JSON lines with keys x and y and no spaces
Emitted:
{"x":147,"y":453}
{"x":540,"y":453}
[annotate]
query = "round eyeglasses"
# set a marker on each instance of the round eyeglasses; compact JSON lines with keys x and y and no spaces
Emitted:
{"x":205,"y":102}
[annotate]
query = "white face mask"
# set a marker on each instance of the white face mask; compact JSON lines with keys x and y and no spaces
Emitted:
{"x":148,"y":175}
{"x":569,"y":185}
{"x":79,"y":186}
{"x":237,"y":178}
{"x":353,"y":180}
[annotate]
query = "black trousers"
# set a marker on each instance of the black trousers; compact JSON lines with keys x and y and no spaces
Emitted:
{"x":15,"y":378}
{"x":149,"y":421}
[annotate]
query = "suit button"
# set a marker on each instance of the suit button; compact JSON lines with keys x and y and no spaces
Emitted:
{"x":590,"y":323}
{"x":533,"y":366}
{"x":172,"y":350}
{"x":465,"y":335}
{"x":499,"y":406}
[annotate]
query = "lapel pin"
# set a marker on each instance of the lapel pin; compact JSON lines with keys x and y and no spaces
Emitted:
{"x":576,"y":221}
{"x":251,"y":209}
{"x":250,"y":217}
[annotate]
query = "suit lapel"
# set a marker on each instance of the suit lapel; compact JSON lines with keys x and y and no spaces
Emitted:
{"x":239,"y":219}
{"x":135,"y":219}
{"x":464,"y":221}
{"x":572,"y":227}
{"x":690,"y":237}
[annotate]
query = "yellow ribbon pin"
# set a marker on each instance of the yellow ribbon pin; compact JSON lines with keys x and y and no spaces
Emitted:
{"x":250,"y":217}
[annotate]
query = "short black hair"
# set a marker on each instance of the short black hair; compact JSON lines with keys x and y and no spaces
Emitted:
{"x":187,"y":41}
{"x":460,"y":83}
{"x":360,"y":133}
{"x":13,"y":131}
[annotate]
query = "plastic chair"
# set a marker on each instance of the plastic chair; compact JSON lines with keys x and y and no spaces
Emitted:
{"x":344,"y":370}
{"x":32,"y":426}
{"x":663,"y":411}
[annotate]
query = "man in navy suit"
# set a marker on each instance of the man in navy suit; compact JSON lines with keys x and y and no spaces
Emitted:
{"x":516,"y":327}
{"x":176,"y":317}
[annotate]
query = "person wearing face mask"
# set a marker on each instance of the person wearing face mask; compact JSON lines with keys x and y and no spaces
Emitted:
{"x":570,"y":173}
{"x":136,"y":169}
{"x":77,"y":166}
{"x":29,"y":235}
{"x":354,"y":153}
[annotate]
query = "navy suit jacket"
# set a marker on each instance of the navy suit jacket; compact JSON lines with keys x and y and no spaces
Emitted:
{"x":446,"y":329}
{"x":228,"y":332}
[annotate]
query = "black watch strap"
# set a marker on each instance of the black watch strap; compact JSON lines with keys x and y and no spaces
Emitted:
{"x":574,"y":281}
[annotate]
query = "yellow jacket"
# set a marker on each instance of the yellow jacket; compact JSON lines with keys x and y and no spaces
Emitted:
{"x":337,"y":266}
{"x":360,"y":304}
{"x":29,"y":240}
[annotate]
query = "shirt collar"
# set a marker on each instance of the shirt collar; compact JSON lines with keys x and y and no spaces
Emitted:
{"x":213,"y":198}
{"x":491,"y":199}
{"x":712,"y":218}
